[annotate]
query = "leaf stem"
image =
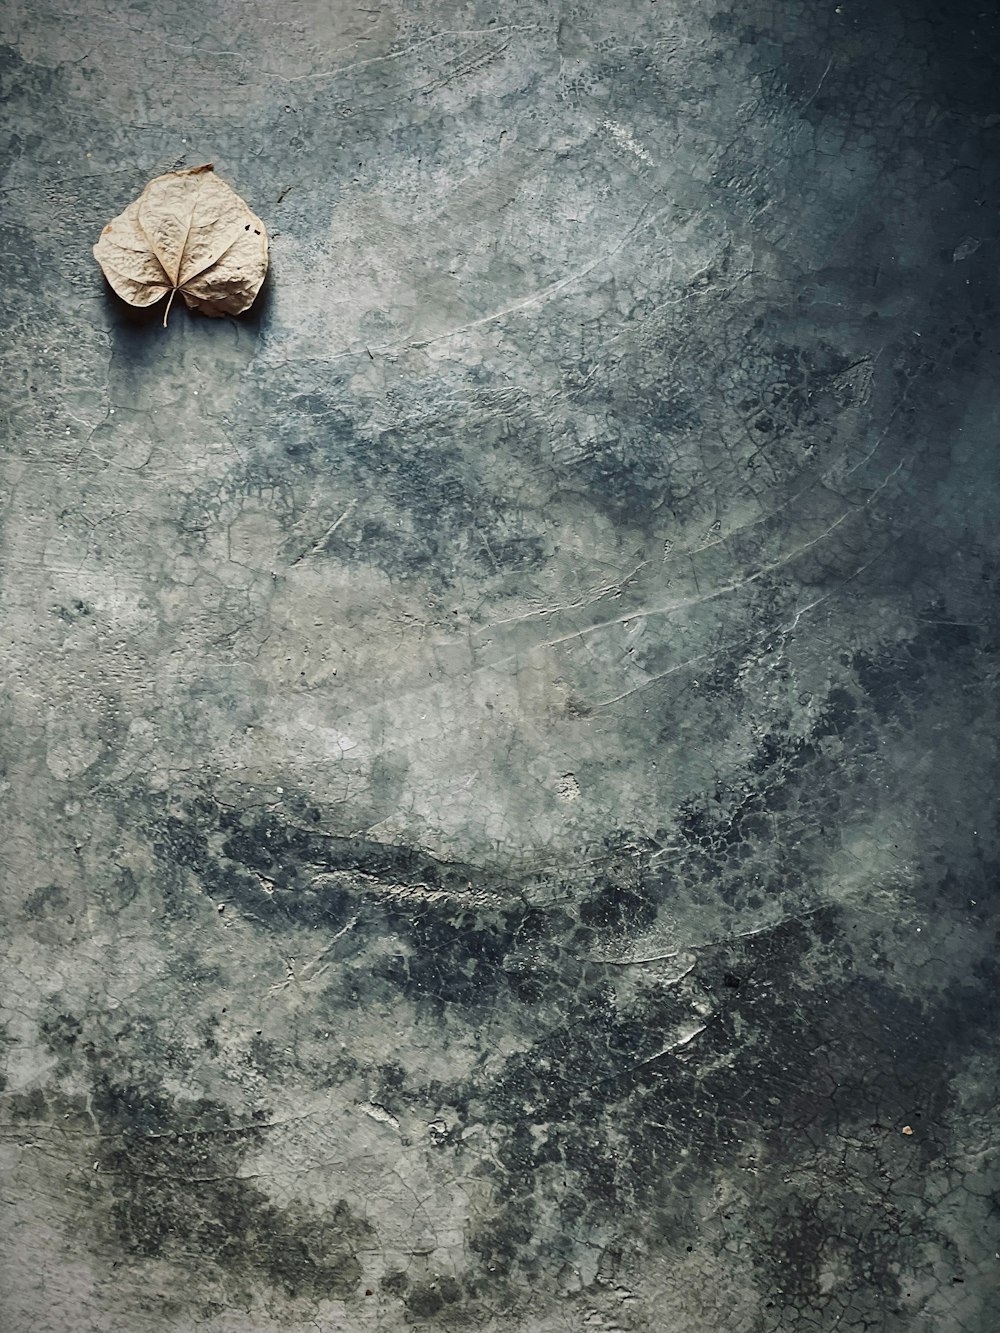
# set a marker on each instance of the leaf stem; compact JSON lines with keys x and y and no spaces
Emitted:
{"x":173,"y":293}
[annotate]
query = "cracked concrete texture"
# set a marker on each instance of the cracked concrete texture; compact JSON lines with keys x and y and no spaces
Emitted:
{"x":499,"y":744}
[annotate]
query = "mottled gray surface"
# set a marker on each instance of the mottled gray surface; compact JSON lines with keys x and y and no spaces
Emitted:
{"x":499,"y":744}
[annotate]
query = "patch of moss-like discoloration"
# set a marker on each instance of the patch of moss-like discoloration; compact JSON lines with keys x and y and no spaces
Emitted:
{"x":175,"y":1178}
{"x":626,"y":1117}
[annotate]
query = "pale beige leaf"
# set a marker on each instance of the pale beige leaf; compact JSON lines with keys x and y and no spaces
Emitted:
{"x":187,"y":232}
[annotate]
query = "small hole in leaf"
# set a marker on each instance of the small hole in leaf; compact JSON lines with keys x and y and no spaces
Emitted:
{"x":256,"y":232}
{"x":247,"y":227}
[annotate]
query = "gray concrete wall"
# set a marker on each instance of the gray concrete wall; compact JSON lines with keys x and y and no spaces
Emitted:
{"x":499,"y":744}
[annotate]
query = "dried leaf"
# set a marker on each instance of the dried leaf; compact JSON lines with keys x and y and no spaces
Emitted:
{"x":187,"y":232}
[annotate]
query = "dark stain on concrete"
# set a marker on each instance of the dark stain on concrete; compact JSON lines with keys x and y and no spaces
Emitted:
{"x":174,"y":1173}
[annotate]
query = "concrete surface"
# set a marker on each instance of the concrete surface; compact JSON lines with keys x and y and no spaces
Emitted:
{"x":499,"y":788}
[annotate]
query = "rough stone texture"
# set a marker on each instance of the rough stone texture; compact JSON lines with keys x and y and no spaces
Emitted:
{"x":500,"y":779}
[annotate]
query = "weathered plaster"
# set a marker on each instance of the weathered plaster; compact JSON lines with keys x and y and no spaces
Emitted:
{"x":499,"y":745}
